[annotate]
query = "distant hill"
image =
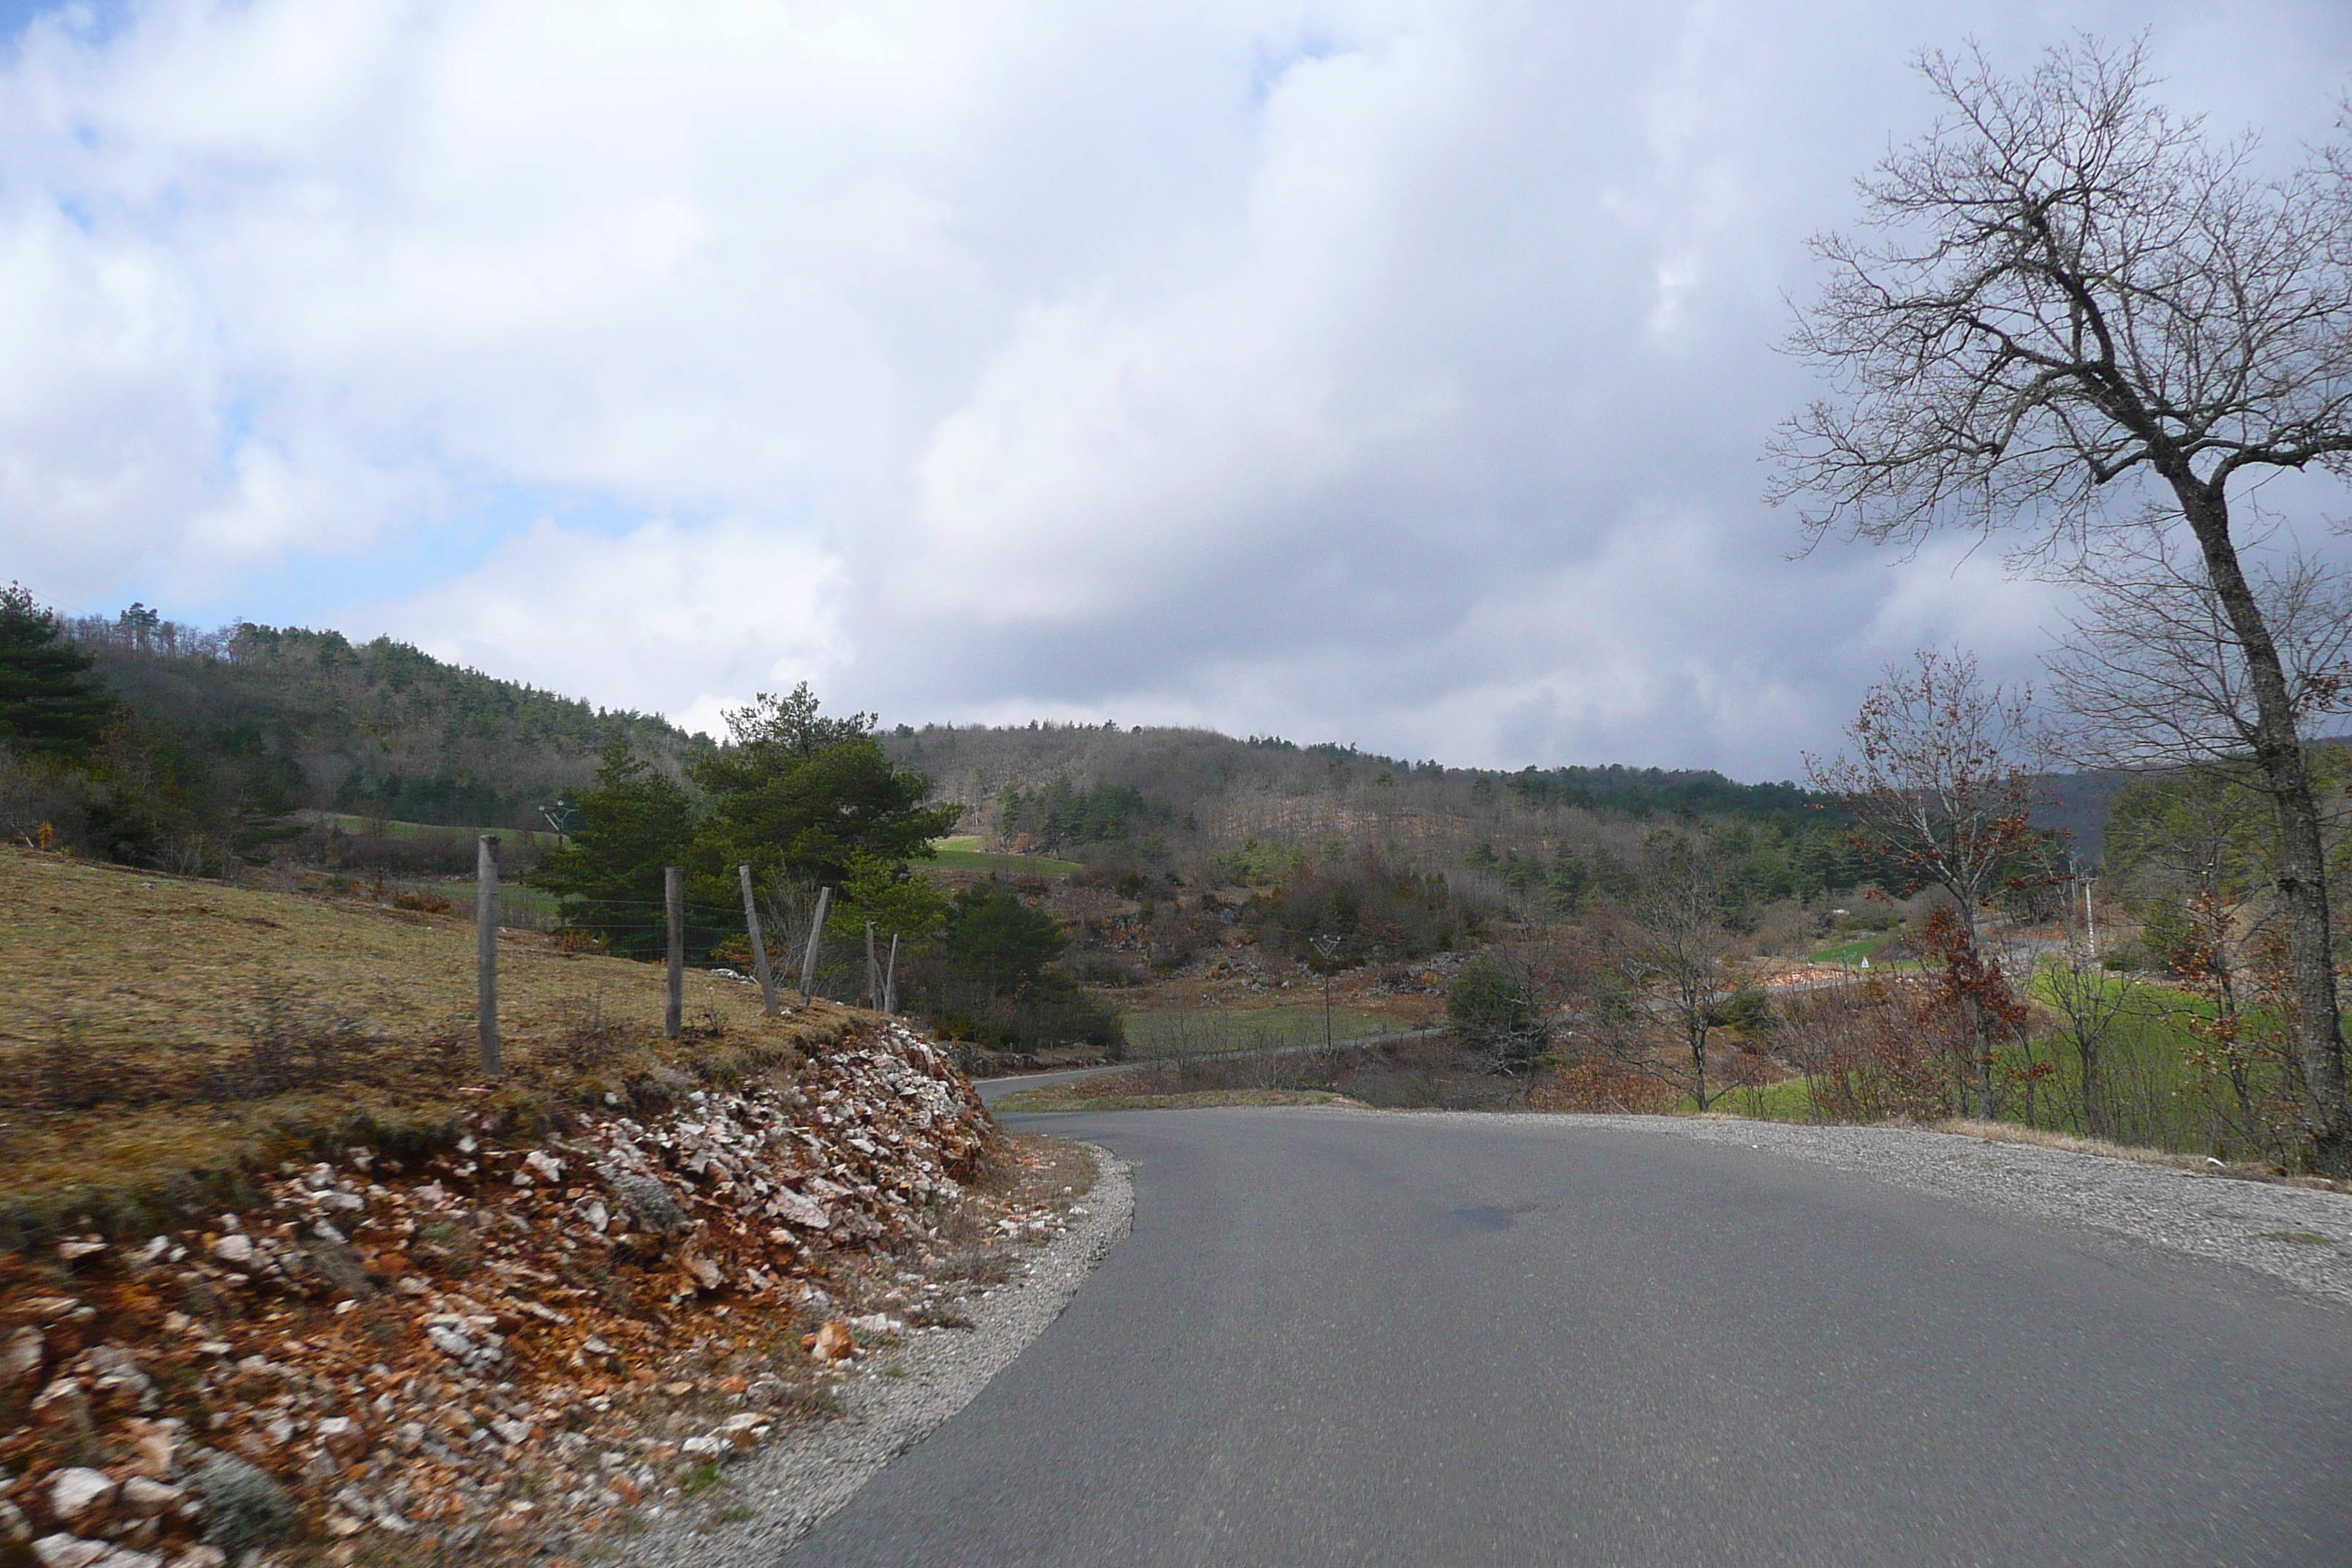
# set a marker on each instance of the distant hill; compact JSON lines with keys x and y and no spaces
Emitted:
{"x":285,"y":718}
{"x":299,"y":718}
{"x":1190,"y":795}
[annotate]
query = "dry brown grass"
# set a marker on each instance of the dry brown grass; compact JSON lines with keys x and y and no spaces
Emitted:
{"x":157,"y":1035}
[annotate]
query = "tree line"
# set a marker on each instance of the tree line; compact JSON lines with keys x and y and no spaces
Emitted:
{"x":806,"y":801}
{"x":142,"y":740}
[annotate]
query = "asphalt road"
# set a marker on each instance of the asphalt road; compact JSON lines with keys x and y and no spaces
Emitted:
{"x":993,"y":1089}
{"x":1351,"y":1338}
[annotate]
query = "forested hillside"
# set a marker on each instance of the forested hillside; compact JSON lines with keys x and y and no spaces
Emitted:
{"x":237,"y":728}
{"x":142,"y":742}
{"x":1183,"y":797}
{"x":301,"y":719}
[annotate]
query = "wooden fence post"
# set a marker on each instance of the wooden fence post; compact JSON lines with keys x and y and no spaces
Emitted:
{"x":674,"y":895}
{"x":890,"y":978}
{"x":759,"y":947}
{"x":486,"y":951}
{"x":873,"y":969}
{"x":816,"y":934}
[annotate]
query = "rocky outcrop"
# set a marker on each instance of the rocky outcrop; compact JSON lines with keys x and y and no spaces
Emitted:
{"x":467,"y":1343}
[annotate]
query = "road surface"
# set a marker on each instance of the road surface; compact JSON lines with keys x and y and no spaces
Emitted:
{"x":993,"y":1089}
{"x":1339,"y":1338}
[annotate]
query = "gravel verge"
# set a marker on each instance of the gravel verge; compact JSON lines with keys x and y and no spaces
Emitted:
{"x":2299,"y":1235}
{"x":896,"y":1399}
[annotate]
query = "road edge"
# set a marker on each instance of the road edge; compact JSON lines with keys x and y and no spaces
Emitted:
{"x":901,"y":1399}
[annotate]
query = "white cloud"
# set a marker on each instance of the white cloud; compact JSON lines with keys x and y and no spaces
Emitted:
{"x":741,"y":606}
{"x":1363,"y":369}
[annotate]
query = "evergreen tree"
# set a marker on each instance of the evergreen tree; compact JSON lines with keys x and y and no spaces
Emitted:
{"x":999,"y":940}
{"x":49,"y":704}
{"x":636,"y":821}
{"x":806,"y":794}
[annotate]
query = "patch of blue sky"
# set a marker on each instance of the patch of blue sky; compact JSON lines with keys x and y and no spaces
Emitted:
{"x":322,"y":589}
{"x":1274,"y":63}
{"x":95,"y":20}
{"x":503,"y":511}
{"x":236,"y":426}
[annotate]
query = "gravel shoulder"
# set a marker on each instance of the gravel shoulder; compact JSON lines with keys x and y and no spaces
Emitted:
{"x":2298,"y":1235}
{"x":895,"y":1401}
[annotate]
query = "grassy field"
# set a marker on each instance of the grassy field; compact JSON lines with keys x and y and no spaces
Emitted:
{"x":963,"y":853}
{"x":362,"y":827}
{"x":1852,"y":951}
{"x":1784,"y":1102}
{"x":158,"y":1035}
{"x":1204,"y":1030}
{"x":2160,"y":1098}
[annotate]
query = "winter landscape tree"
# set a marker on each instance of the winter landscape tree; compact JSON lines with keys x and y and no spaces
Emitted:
{"x":2072,"y":305}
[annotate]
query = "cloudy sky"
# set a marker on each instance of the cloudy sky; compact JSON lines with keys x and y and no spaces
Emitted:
{"x":1386,"y":372}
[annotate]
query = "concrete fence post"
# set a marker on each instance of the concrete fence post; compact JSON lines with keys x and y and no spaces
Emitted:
{"x":767,"y":976}
{"x":486,"y":951}
{"x":674,"y":896}
{"x":816,"y":934}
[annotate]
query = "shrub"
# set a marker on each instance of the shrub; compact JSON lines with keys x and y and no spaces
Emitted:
{"x":1494,"y":1013}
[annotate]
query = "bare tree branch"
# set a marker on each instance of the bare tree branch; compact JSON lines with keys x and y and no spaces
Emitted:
{"x":2067,"y":293}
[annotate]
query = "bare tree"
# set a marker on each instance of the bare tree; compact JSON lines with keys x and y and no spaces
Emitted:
{"x":2095,"y":1006}
{"x":1670,"y":943}
{"x":1940,"y":784}
{"x":2193,"y":847}
{"x":2072,"y":294}
{"x":2152,"y":672}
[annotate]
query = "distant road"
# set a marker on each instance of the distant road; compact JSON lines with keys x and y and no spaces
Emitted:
{"x":993,"y":1089}
{"x":1408,"y":1340}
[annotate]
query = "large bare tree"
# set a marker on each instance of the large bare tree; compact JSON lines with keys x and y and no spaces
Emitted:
{"x":2152,"y":672}
{"x":2066,"y":298}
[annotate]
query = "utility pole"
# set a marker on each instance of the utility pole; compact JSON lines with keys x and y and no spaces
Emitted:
{"x":1326,"y":946}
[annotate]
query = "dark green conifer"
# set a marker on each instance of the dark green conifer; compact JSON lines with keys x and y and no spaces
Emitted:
{"x":49,"y":703}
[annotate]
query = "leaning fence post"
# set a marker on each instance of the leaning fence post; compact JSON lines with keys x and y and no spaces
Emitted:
{"x":486,"y":951}
{"x":674,"y":895}
{"x":759,"y":947}
{"x":873,"y":969}
{"x":890,"y":978}
{"x":817,"y":934}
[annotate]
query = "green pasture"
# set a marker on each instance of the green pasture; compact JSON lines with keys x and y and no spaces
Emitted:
{"x":963,"y":853}
{"x":2159,"y":1097}
{"x":1205,"y":1031}
{"x":360,"y":826}
{"x":1852,"y":951}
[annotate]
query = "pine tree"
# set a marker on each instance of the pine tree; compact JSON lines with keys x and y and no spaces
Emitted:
{"x":49,"y":705}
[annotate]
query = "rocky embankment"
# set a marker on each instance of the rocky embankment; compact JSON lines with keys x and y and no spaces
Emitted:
{"x":516,"y":1339}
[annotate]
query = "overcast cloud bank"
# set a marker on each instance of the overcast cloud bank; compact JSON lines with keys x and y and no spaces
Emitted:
{"x":1388,"y":372}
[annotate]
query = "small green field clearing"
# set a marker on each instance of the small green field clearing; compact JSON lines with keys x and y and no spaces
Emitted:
{"x":1205,"y":1031}
{"x":963,"y":853}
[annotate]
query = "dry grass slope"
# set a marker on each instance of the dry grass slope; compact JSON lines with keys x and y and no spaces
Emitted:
{"x":160,"y":1037}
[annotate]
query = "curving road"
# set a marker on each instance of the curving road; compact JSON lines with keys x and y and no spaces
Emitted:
{"x":1350,"y":1338}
